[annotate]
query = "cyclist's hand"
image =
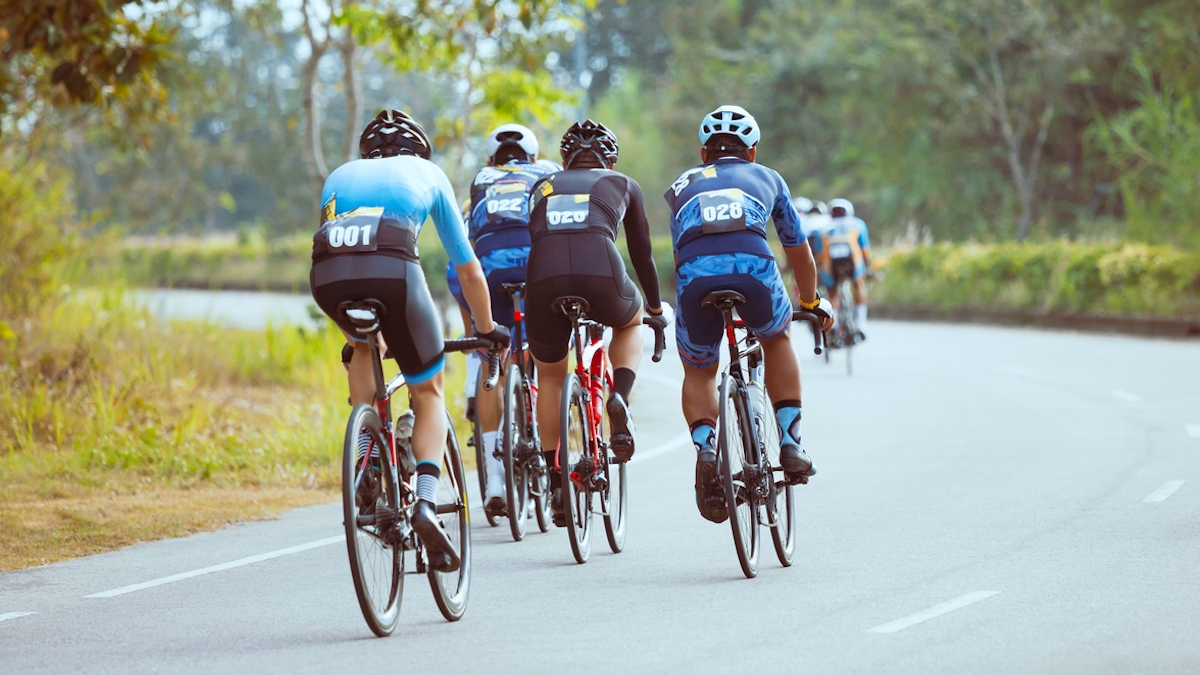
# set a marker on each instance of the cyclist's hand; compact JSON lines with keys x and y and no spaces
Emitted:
{"x":499,"y":335}
{"x":660,"y":321}
{"x":824,"y":309}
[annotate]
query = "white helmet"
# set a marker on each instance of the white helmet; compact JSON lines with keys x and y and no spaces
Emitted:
{"x":512,"y":133}
{"x":730,"y":119}
{"x":802,"y":204}
{"x":843,"y":204}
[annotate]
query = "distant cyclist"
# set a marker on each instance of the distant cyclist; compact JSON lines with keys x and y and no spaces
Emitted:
{"x":720,"y":212}
{"x":498,"y":223}
{"x":844,"y":250}
{"x":574,"y":218}
{"x":372,"y":211}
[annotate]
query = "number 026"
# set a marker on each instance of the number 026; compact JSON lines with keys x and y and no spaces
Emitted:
{"x":348,"y":236}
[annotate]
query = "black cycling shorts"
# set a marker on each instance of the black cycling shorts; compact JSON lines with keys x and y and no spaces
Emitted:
{"x":612,"y":298}
{"x":411,"y":325}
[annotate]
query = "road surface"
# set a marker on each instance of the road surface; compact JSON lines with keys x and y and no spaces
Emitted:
{"x":989,"y":501}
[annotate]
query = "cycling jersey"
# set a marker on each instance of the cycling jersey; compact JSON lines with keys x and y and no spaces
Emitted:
{"x":372,"y":211}
{"x":574,"y":219}
{"x":719,"y":221}
{"x":839,"y":250}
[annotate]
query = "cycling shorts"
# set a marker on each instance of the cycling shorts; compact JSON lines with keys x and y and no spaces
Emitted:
{"x":699,"y":330}
{"x":504,"y":266}
{"x":612,"y":298}
{"x":840,"y":268}
{"x":411,"y":324}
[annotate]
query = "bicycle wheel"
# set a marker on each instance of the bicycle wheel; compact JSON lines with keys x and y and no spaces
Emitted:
{"x":480,"y":459}
{"x":574,"y":459}
{"x":514,"y":437}
{"x":781,"y":507}
{"x":850,"y":329}
{"x":450,"y":589}
{"x":738,"y":454}
{"x":615,"y":498}
{"x":539,"y":479}
{"x":368,"y":487}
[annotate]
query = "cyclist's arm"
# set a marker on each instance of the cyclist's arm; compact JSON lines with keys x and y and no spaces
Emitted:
{"x":453,"y":235}
{"x":805,"y":269}
{"x":864,"y":243}
{"x":637,"y":236}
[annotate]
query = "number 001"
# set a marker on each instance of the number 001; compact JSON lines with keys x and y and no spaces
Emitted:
{"x":348,"y":236}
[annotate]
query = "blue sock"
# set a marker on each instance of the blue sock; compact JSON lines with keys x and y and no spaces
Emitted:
{"x":704,"y":435}
{"x":787,"y":413}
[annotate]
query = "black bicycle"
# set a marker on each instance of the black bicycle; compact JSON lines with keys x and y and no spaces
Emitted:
{"x":378,"y":496}
{"x":753,"y":482}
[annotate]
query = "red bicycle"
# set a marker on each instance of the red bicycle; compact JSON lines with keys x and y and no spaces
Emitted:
{"x":590,"y":482}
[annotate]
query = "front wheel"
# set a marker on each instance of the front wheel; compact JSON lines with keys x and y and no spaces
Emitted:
{"x":574,"y":459}
{"x":450,"y":589}
{"x":738,"y":464}
{"x":515,"y":432}
{"x":376,"y":554}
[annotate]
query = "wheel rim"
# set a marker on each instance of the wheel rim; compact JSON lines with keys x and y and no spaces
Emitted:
{"x":451,"y":588}
{"x":573,"y":450}
{"x":516,"y":488}
{"x":614,"y":497}
{"x":743,"y":511}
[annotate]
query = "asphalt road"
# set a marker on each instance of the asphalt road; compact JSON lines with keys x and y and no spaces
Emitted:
{"x":989,"y":500}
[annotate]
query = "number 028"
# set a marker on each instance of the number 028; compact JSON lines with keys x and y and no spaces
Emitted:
{"x":730,"y":211}
{"x":348,"y":236}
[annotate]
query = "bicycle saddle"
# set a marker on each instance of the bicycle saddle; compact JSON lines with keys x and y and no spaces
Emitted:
{"x":571,"y":305}
{"x":725,"y":299}
{"x":513,"y":288}
{"x":363,"y":314}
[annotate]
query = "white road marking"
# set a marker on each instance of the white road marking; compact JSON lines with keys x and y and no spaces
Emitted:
{"x":1193,"y":430}
{"x":672,"y":382}
{"x":217,"y":568}
{"x":1164,"y":491}
{"x":671,"y":445}
{"x":15,"y":615}
{"x":1126,"y":396}
{"x":933,"y":612}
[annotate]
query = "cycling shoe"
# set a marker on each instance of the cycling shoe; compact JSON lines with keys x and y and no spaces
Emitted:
{"x":438,"y":550}
{"x":709,"y":495}
{"x":558,"y":507}
{"x":795,"y":463}
{"x":621,"y":435}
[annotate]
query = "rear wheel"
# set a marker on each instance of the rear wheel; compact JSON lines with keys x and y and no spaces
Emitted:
{"x":450,"y":589}
{"x":573,"y":460}
{"x":368,"y":489}
{"x":737,"y":461}
{"x":480,"y":458}
{"x":850,"y":327}
{"x":615,"y":498}
{"x":781,"y":509}
{"x":515,"y":439}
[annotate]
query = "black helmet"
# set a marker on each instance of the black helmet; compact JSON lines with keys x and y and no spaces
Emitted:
{"x":392,"y":133}
{"x":591,"y":137}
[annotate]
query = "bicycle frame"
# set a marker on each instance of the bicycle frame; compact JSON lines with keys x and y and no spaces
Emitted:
{"x":594,"y":371}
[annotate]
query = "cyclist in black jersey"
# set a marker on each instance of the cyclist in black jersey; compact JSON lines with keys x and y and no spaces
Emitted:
{"x":574,"y":218}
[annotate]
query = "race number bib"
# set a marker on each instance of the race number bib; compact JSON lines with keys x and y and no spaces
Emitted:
{"x":568,"y":212}
{"x":505,"y":202}
{"x":839,"y":250}
{"x":722,"y":211}
{"x":354,"y":231}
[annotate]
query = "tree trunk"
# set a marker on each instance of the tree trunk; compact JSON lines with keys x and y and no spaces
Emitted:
{"x":312,"y":117}
{"x":352,"y":90}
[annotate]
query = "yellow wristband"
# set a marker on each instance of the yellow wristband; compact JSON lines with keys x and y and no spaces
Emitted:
{"x":809,"y":306}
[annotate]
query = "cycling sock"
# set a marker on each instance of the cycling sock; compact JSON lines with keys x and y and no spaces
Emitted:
{"x":860,"y":316}
{"x":623,"y":382}
{"x":428,"y":475}
{"x":495,"y":465}
{"x":787,"y":413}
{"x":364,"y":442}
{"x":471,"y":378}
{"x":704,"y":434}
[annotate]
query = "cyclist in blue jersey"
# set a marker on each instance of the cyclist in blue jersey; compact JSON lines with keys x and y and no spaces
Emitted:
{"x":843,"y":249}
{"x":372,"y":210}
{"x":720,"y":212}
{"x":498,"y":226}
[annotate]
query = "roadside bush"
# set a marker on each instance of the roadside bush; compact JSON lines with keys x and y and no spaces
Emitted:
{"x":38,"y":236}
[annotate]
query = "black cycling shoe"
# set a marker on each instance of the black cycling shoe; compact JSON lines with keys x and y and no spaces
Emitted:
{"x":621,"y":434}
{"x":796,"y":464}
{"x":710,"y":498}
{"x":558,"y":507}
{"x":438,"y":550}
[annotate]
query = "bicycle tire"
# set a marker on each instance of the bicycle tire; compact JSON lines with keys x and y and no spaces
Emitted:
{"x":516,"y":489}
{"x":781,"y":506}
{"x":376,"y":567}
{"x":850,"y":328}
{"x":451,"y":589}
{"x":737,"y":450}
{"x":541,"y":496}
{"x":573,"y":447}
{"x":614,"y":509}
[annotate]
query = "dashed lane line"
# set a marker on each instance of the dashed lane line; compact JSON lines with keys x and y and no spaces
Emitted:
{"x":217,"y":568}
{"x":1164,"y":491}
{"x":674,"y":444}
{"x":932,"y":613}
{"x":1126,"y":396}
{"x":15,"y":615}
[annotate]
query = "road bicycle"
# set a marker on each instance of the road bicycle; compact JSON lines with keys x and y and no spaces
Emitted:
{"x":475,"y":442}
{"x":844,"y":334}
{"x":527,"y":477}
{"x":378,"y":495}
{"x":592,"y":480}
{"x":754,"y":484}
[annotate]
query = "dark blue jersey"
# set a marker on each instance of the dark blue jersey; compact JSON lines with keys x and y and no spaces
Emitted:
{"x":498,"y":215}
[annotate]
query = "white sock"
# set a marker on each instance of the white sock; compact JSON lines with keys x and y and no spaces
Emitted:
{"x":495,"y":465}
{"x":427,"y":487}
{"x":471,"y":379}
{"x":860,"y":317}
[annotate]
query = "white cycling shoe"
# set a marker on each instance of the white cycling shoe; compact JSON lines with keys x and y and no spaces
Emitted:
{"x":495,"y":499}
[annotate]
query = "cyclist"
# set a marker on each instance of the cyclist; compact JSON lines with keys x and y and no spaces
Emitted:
{"x":498,"y":223}
{"x":372,"y":210}
{"x":574,"y":217}
{"x":844,"y":250}
{"x":719,"y":216}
